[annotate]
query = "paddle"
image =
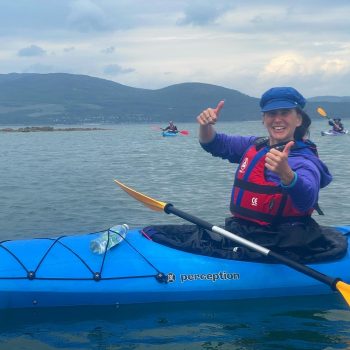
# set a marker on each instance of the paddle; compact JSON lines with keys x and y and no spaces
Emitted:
{"x":322,"y":112}
{"x":182,"y":132}
{"x":334,"y":283}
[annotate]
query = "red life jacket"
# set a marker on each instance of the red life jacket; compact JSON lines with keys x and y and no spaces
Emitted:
{"x":256,"y":199}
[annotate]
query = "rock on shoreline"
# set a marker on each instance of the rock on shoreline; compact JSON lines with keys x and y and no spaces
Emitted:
{"x":46,"y":128}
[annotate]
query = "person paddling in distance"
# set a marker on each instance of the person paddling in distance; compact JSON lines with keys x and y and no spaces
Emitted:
{"x":171,"y":127}
{"x":277,"y":182}
{"x":336,"y":124}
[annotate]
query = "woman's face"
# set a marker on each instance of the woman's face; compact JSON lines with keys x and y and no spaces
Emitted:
{"x":281,"y":124}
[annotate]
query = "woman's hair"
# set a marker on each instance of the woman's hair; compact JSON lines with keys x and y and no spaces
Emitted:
{"x":303,"y":130}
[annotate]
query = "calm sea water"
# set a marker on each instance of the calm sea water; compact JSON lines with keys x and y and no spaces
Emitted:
{"x":54,"y":183}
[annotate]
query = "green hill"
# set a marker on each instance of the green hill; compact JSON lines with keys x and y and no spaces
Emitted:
{"x":59,"y":98}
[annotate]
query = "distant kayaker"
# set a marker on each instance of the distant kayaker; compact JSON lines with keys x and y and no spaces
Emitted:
{"x":171,"y":127}
{"x":277,"y":182}
{"x":336,"y":124}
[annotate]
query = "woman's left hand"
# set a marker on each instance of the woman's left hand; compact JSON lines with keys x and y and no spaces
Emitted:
{"x":277,"y":162}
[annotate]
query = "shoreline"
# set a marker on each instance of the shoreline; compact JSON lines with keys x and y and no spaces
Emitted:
{"x":46,"y":128}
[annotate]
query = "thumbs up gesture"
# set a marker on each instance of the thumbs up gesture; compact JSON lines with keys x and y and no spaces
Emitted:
{"x":210,"y":115}
{"x":277,"y":162}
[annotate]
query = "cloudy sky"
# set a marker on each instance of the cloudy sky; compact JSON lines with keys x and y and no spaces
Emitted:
{"x":246,"y":45}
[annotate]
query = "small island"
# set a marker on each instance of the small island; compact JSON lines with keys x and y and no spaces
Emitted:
{"x":46,"y":128}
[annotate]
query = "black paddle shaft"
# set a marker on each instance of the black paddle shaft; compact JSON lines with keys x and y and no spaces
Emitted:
{"x":170,"y":209}
{"x":330,"y":281}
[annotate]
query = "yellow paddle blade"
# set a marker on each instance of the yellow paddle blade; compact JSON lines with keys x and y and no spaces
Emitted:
{"x":322,"y":112}
{"x":145,"y":200}
{"x":344,"y":290}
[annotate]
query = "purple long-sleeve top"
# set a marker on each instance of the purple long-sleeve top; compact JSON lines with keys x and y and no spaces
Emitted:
{"x":312,"y":173}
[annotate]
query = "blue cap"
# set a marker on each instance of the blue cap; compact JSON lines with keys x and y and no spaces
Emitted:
{"x":281,"y":98}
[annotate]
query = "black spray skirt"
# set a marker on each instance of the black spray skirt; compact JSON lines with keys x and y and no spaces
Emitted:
{"x":305,"y":242}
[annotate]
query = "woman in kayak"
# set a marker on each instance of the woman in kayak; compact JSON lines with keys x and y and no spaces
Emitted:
{"x":171,"y":127}
{"x":277,"y":182}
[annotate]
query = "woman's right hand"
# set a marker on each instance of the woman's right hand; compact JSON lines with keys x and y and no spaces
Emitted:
{"x":209,"y":116}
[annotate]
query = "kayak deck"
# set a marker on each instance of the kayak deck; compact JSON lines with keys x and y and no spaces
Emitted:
{"x":52,"y":272}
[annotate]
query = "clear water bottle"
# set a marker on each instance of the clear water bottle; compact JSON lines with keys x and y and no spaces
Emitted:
{"x":116,"y":235}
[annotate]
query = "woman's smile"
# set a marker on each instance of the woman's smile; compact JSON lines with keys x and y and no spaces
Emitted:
{"x":281,"y":124}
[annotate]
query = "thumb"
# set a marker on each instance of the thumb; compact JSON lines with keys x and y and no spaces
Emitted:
{"x":287,"y":147}
{"x":219,"y":107}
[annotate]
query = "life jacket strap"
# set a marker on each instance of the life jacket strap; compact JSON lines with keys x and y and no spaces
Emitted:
{"x":248,"y":186}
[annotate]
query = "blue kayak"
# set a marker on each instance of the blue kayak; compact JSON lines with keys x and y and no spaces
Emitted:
{"x":55,"y":272}
{"x":169,"y":133}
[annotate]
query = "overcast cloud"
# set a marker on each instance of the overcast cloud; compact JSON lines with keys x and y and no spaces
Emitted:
{"x":247,"y":45}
